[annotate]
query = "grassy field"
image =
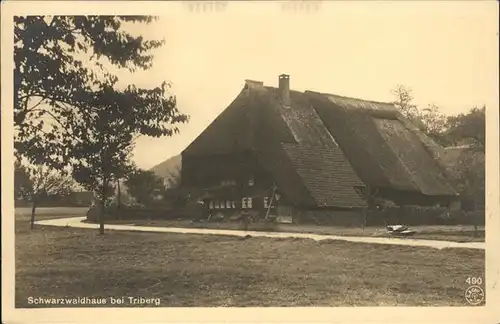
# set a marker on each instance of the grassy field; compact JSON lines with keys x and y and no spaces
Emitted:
{"x":197,"y":270}
{"x":24,"y":213}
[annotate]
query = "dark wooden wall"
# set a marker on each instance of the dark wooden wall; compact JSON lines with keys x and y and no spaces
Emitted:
{"x":211,"y":170}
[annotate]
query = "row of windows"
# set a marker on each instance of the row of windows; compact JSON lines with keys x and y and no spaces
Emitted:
{"x":246,"y":202}
{"x":221,"y":204}
{"x":251,"y":182}
{"x":228,"y":182}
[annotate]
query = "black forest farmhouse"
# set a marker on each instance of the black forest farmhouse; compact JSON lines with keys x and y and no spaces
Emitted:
{"x":281,"y":151}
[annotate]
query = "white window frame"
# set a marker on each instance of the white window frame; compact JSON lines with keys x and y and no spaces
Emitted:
{"x":266,"y":202}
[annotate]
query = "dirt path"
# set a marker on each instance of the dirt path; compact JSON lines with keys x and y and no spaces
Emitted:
{"x":77,"y":222}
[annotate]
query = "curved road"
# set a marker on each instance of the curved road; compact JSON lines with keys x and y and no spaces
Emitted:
{"x":77,"y":223}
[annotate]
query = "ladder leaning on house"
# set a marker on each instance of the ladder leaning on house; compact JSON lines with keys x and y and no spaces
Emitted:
{"x":275,"y":188}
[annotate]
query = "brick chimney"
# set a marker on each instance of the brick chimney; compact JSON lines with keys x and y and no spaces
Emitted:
{"x":284,"y":86}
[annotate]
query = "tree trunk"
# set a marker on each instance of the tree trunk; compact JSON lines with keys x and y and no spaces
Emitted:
{"x":475,"y":222}
{"x":103,"y":207}
{"x":33,"y":208}
{"x":101,"y":217}
{"x":119,"y":198}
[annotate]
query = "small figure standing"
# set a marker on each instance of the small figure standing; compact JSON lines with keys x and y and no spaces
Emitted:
{"x":246,"y":219}
{"x":201,"y":212}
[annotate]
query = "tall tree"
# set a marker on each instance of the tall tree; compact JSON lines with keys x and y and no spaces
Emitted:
{"x":59,"y":65}
{"x":101,"y":153}
{"x":142,"y":185}
{"x":429,"y":119}
{"x":469,"y":128}
{"x":404,"y":102}
{"x":434,"y":123}
{"x":68,"y":110}
{"x":39,"y":181}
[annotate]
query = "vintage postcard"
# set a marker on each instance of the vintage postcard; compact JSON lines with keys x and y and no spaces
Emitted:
{"x":278,"y":161}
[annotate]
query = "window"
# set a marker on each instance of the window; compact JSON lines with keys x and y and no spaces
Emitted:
{"x":246,"y":202}
{"x":222,"y":204}
{"x":216,"y":204}
{"x":211,"y":204}
{"x":228,"y":204}
{"x":233,"y":204}
{"x":266,"y":202}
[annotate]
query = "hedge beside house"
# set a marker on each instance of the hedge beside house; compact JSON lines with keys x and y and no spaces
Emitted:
{"x":140,"y":213}
{"x":409,"y":215}
{"x":415,"y":215}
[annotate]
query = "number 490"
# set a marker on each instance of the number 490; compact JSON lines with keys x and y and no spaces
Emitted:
{"x":474,"y":281}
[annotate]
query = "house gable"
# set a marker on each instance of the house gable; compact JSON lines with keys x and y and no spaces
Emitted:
{"x":231,"y":131}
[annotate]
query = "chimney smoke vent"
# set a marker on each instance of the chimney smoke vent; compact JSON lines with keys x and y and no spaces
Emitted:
{"x":284,"y":86}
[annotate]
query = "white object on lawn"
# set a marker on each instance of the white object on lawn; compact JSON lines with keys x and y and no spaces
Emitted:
{"x":399,"y":230}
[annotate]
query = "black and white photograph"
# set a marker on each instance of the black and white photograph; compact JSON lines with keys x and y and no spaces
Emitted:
{"x":313,"y":158}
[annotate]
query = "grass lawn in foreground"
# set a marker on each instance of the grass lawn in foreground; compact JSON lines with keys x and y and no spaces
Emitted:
{"x":206,"y":270}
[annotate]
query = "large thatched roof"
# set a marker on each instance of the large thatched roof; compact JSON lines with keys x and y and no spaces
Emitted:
{"x":321,"y":146}
{"x":383,"y":147}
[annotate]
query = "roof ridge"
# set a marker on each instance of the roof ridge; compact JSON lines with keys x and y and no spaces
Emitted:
{"x":335,"y":95}
{"x":345,"y":97}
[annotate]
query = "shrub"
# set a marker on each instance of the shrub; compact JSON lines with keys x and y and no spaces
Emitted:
{"x":417,"y":215}
{"x":408,"y":215}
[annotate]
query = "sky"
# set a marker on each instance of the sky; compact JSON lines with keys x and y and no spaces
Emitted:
{"x":446,"y":52}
